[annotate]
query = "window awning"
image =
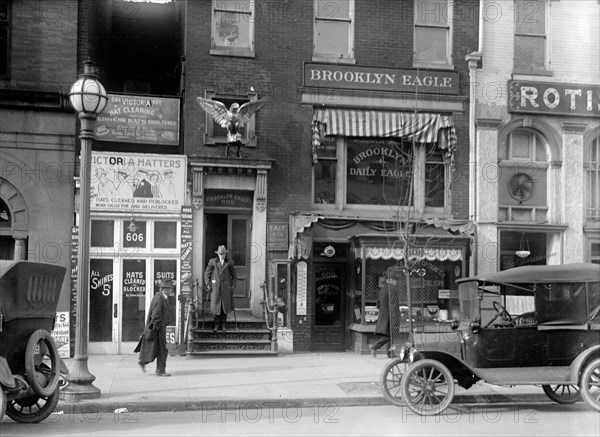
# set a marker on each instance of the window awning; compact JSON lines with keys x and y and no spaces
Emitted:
{"x":422,"y":127}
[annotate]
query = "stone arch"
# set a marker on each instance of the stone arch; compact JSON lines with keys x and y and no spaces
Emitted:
{"x":17,"y":206}
{"x":27,"y":183}
{"x":591,"y":134}
{"x":547,"y":131}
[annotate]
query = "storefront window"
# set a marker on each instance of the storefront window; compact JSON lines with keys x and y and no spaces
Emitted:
{"x":378,"y":172}
{"x":134,"y":233}
{"x":435,"y":179}
{"x":326,"y":172}
{"x":522,"y":248}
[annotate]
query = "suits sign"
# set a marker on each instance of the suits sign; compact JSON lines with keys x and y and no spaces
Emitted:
{"x":137,"y":182}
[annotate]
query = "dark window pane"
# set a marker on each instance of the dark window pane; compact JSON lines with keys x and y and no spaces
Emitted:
{"x":103,"y":232}
{"x":134,"y":298}
{"x":101,"y":299}
{"x":379,"y":172}
{"x":325,"y":177}
{"x":165,"y":235}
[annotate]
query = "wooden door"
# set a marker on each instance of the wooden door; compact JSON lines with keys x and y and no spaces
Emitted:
{"x":238,"y":242}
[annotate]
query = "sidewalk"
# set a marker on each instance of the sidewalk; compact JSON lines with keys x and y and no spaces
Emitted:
{"x":226,"y":382}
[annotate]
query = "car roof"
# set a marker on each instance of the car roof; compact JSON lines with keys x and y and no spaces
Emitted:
{"x":565,"y":273}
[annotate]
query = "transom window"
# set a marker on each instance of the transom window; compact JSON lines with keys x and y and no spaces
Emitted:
{"x":530,"y":43}
{"x":432,"y":40}
{"x":334,"y":29}
{"x":233,"y":27}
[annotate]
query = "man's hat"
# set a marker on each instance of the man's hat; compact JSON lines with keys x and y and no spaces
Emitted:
{"x":167,"y":283}
{"x":221,"y":250}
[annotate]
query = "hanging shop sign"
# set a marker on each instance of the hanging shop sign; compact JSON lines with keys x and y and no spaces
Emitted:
{"x":137,"y":182}
{"x":553,"y":98}
{"x":185,"y":269}
{"x":139,"y":119}
{"x":380,"y":79}
{"x":277,"y":235}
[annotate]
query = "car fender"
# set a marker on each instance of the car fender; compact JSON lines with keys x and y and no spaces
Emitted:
{"x":576,"y":366}
{"x":461,"y":371}
{"x":6,"y":377}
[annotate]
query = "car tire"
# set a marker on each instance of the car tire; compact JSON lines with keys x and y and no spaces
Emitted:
{"x":51,"y":371}
{"x":390,"y":380}
{"x":33,"y":409}
{"x":427,"y":387}
{"x":590,"y":384}
{"x":563,"y":394}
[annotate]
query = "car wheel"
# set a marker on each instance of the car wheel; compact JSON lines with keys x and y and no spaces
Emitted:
{"x":391,"y":377}
{"x":33,"y":409}
{"x":42,"y":363}
{"x":563,"y":394}
{"x":427,"y":387}
{"x":590,"y":384}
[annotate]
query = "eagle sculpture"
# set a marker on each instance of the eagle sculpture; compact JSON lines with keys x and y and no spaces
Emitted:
{"x":233,"y":118}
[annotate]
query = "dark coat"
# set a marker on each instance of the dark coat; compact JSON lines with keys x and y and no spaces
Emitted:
{"x":221,"y":282}
{"x":156,"y":328}
{"x":383,"y":320}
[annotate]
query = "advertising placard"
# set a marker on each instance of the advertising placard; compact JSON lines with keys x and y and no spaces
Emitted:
{"x":186,"y":251}
{"x":302,"y":280}
{"x":137,"y":182}
{"x":61,"y":334}
{"x":139,"y":119}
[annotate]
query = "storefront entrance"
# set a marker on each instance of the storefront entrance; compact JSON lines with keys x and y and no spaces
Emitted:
{"x":233,"y":230}
{"x":329,"y":302}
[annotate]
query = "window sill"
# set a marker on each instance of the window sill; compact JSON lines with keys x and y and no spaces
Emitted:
{"x":333,"y":60}
{"x":517,"y":71}
{"x":238,"y":53}
{"x":432,"y":66}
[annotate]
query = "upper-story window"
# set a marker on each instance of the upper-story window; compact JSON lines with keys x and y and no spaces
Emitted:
{"x":334,"y":30}
{"x":530,"y":44}
{"x":233,"y":27}
{"x":592,"y":180}
{"x":433,"y":32}
{"x":4,"y":37}
{"x":523,"y":173}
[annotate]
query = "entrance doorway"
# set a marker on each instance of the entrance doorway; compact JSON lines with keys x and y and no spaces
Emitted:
{"x":329,"y":324}
{"x":232,"y":230}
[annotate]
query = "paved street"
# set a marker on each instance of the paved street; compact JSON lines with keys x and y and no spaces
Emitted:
{"x":546,"y":420}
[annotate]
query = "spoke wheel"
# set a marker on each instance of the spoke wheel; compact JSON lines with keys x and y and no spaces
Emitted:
{"x":590,"y":384}
{"x":42,"y":363}
{"x":390,"y":380}
{"x":563,"y":394}
{"x":427,"y":387}
{"x":33,"y":409}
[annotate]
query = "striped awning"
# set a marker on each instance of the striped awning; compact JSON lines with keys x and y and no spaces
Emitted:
{"x":422,"y":127}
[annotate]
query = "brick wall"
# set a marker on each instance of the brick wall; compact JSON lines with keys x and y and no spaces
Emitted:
{"x":283,"y":42}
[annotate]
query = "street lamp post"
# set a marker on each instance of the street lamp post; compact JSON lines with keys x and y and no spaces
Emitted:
{"x":88,"y":98}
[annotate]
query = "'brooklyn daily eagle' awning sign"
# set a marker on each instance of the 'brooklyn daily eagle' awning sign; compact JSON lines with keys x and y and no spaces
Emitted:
{"x":553,"y":98}
{"x":380,"y":79}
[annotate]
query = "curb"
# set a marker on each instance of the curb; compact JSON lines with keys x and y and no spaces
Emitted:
{"x":133,"y":406}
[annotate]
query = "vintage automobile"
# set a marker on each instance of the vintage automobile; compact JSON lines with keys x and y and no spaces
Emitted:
{"x":530,"y":325}
{"x":30,"y":365}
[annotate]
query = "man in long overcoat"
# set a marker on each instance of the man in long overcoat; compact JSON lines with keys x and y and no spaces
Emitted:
{"x":382,"y":328}
{"x":220,"y":279}
{"x":153,"y":344}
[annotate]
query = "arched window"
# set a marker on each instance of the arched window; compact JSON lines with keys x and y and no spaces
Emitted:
{"x":591,"y":165}
{"x":7,"y":242}
{"x":523,"y":172}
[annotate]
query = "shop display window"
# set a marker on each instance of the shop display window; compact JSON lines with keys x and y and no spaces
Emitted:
{"x":165,"y":235}
{"x":102,"y":234}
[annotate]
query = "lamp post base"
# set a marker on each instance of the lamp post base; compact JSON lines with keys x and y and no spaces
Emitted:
{"x":78,"y":392}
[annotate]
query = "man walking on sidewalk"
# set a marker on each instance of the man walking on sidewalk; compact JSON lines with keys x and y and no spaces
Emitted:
{"x":220,"y":279}
{"x":153,"y":343}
